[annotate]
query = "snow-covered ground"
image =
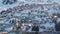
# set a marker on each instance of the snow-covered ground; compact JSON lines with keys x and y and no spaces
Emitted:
{"x":22,"y":2}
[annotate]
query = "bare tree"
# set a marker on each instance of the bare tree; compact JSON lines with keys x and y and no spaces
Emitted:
{"x":9,"y":1}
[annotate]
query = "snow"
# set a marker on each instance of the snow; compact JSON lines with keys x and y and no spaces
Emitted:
{"x":21,"y":2}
